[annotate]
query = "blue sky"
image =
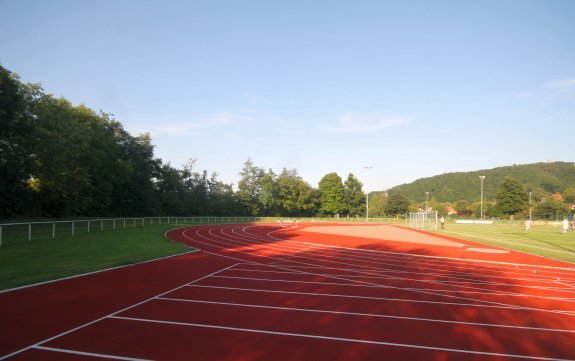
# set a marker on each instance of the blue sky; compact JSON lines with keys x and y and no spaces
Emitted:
{"x":411,"y":88}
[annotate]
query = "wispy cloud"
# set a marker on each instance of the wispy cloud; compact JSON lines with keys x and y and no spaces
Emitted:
{"x":350,"y":124}
{"x":555,"y":91}
{"x":210,"y":121}
{"x":561,"y":83}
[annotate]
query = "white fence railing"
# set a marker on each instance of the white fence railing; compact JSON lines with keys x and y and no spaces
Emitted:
{"x":17,"y":232}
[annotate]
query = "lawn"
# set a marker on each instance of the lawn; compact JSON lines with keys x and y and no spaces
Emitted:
{"x":26,"y":263}
{"x":543,"y":240}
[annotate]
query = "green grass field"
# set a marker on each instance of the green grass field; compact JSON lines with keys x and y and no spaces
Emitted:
{"x":543,"y":240}
{"x":25,"y":263}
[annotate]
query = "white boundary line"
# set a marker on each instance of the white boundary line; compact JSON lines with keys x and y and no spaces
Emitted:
{"x":114,"y":357}
{"x":342,"y":339}
{"x":365,"y":315}
{"x":104,"y":270}
{"x":565,"y":312}
{"x":356,"y":297}
{"x":514,"y":250}
{"x":109,"y":315}
{"x":453,"y":258}
{"x":267,"y":250}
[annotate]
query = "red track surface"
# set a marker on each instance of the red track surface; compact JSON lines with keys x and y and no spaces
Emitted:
{"x":269,"y":293}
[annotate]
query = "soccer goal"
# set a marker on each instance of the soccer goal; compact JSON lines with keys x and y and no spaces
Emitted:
{"x":423,"y":220}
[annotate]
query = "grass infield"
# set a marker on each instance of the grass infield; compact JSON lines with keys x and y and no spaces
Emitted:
{"x":27,"y":263}
{"x":543,"y":240}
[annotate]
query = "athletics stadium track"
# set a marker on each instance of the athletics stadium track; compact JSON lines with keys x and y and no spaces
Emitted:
{"x":265,"y":292}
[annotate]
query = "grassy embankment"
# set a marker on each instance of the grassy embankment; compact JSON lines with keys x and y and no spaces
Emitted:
{"x":23,"y":263}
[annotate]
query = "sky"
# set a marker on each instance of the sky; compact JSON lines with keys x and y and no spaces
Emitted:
{"x":411,"y":89}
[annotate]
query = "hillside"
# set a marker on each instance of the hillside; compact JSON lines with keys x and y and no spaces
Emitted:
{"x":541,"y":178}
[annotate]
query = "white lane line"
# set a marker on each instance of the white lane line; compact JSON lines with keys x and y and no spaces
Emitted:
{"x":403,"y":256}
{"x":442,"y":292}
{"x":92,"y":354}
{"x":262,"y":271}
{"x":111,"y":314}
{"x":451,"y":283}
{"x":367,"y":315}
{"x":96,"y":272}
{"x":368,"y":269}
{"x":342,"y":339}
{"x":315,"y":294}
{"x":569,"y":313}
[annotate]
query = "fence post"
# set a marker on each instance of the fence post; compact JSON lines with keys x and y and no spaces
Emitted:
{"x":0,"y":236}
{"x":53,"y":230}
{"x":29,"y":232}
{"x":72,"y":228}
{"x":101,"y":225}
{"x":88,"y":226}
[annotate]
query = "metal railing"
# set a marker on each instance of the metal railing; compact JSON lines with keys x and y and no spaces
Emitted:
{"x":29,"y":231}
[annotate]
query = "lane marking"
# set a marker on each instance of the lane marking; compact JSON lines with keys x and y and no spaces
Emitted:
{"x":92,"y":354}
{"x":96,"y":272}
{"x":367,"y":315}
{"x":357,"y":297}
{"x":340,"y":278}
{"x":111,"y":314}
{"x":341,"y":339}
{"x":441,"y":292}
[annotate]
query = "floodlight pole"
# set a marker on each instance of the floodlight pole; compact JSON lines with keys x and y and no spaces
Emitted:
{"x":482,"y":177}
{"x":367,"y":198}
{"x":530,"y":206}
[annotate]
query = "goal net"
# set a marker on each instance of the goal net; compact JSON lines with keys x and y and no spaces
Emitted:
{"x":423,"y":220}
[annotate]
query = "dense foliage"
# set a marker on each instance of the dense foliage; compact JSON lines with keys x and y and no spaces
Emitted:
{"x":550,"y":187}
{"x":60,"y":160}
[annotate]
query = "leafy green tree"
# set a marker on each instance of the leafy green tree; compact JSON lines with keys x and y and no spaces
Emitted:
{"x":569,"y":195}
{"x":332,"y":195}
{"x":269,"y":193}
{"x":353,"y":196}
{"x":377,"y":204}
{"x":550,"y":208}
{"x":397,"y":204}
{"x":16,"y":160}
{"x":296,"y":197}
{"x":511,"y":197}
{"x":249,"y":187}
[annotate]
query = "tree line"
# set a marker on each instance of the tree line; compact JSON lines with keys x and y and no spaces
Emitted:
{"x":60,"y":160}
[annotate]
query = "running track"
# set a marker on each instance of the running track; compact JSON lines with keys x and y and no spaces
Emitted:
{"x":262,"y":292}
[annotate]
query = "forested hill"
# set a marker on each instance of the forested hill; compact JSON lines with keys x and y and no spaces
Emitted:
{"x":541,"y":178}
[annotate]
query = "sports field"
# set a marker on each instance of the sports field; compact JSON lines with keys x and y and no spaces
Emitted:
{"x":304,"y":292}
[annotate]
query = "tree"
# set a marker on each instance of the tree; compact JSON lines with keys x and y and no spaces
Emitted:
{"x":550,"y":208}
{"x":269,"y":193}
{"x":397,"y":204}
{"x":569,"y":195}
{"x":511,"y":197}
{"x":331,"y":195}
{"x":16,"y":161}
{"x":353,"y":196}
{"x":296,"y":197}
{"x":377,"y":203}
{"x":249,"y":187}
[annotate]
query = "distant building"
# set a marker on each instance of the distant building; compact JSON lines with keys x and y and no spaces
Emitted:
{"x":557,"y":196}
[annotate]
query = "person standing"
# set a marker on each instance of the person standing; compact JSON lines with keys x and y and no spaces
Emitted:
{"x":565,"y":225}
{"x":442,"y":222}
